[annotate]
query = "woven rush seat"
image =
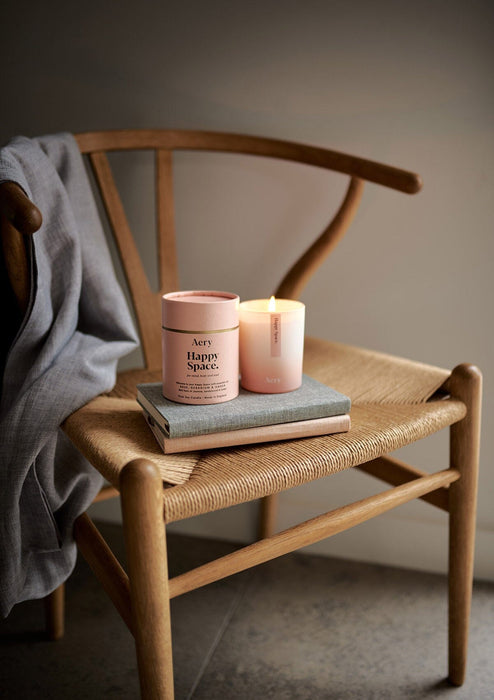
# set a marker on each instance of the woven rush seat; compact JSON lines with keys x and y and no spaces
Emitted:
{"x":391,"y":407}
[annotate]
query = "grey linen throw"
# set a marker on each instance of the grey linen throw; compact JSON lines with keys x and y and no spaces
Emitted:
{"x":76,"y":327}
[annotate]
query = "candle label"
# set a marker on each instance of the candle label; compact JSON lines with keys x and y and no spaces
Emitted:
{"x":200,"y":368}
{"x":275,"y":335}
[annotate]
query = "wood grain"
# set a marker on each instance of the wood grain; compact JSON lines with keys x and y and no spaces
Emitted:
{"x":465,"y":383}
{"x":144,"y":532}
{"x":309,"y":532}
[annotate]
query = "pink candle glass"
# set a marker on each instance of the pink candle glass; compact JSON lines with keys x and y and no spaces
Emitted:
{"x":271,"y":345}
{"x":200,"y":346}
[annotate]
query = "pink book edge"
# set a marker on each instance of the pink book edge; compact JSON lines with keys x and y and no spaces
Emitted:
{"x":246,"y":436}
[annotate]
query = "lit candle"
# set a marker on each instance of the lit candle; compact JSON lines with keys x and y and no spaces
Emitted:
{"x":271,"y":344}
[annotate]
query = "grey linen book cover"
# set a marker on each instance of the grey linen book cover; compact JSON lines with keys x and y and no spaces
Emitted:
{"x":248,"y":410}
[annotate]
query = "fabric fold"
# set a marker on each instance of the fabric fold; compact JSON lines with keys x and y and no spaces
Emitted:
{"x":76,"y":328}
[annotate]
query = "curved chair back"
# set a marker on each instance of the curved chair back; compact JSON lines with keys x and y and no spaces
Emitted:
{"x":164,"y":142}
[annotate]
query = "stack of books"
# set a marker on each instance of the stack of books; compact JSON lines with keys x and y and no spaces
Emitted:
{"x":313,"y":409}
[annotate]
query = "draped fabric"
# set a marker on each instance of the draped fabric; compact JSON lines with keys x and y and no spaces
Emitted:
{"x":66,"y":350}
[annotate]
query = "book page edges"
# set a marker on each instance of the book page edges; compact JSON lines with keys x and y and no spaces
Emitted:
{"x":254,"y":416}
{"x":246,"y":436}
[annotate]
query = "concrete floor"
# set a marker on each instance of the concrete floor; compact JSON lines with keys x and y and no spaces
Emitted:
{"x":301,"y":627}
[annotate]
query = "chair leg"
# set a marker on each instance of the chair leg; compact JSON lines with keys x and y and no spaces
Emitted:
{"x":465,"y":383}
{"x":267,"y":516}
{"x":54,"y":613}
{"x":144,"y":532}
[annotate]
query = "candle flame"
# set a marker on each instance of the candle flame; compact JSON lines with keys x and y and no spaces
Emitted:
{"x":272,"y":304}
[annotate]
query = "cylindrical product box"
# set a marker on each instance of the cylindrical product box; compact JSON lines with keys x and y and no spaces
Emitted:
{"x":271,"y":345}
{"x":200,"y":346}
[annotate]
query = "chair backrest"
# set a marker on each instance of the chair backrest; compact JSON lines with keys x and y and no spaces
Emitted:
{"x":96,"y":145}
{"x":163,"y":143}
{"x":17,"y":215}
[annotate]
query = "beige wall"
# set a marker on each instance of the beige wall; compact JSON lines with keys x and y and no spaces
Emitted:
{"x":405,"y":83}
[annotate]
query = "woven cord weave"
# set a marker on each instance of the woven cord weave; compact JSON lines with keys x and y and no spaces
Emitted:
{"x":391,"y":407}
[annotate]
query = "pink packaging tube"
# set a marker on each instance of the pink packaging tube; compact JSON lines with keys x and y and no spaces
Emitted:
{"x":200,"y":346}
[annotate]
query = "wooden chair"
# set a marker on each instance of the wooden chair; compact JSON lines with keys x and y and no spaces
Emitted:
{"x":394,"y":402}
